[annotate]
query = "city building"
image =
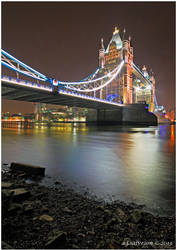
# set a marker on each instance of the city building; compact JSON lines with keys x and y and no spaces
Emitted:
{"x":44,"y":112}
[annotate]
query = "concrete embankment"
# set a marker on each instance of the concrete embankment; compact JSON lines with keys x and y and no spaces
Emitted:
{"x":39,"y":217}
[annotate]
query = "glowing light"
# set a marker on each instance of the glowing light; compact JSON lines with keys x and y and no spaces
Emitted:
{"x":148,"y":87}
{"x":144,"y":67}
{"x":137,"y":88}
{"x":26,"y":84}
{"x":172,"y":135}
{"x":116,"y":31}
{"x":55,"y":82}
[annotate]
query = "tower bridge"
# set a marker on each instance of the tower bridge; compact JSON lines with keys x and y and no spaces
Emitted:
{"x":118,"y":87}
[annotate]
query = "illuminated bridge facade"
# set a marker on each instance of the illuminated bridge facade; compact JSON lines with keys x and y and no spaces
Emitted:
{"x":132,"y":85}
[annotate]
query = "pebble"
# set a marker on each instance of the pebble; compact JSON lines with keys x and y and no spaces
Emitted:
{"x":46,"y":217}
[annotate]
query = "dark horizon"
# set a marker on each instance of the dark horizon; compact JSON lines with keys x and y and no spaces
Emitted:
{"x":62,"y":39}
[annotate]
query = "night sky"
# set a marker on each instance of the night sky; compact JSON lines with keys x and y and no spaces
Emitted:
{"x":62,"y":39}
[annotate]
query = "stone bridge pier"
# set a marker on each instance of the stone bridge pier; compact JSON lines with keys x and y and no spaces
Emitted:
{"x":130,"y":114}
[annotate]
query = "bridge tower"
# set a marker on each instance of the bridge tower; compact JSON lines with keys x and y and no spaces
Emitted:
{"x":118,"y":50}
{"x":109,"y":58}
{"x":152,"y":104}
{"x":127,"y":51}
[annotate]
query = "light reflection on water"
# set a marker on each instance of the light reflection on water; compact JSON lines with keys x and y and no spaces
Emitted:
{"x":131,"y":164}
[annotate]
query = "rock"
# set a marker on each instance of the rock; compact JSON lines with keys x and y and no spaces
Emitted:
{"x":113,"y":244}
{"x":108,"y":212}
{"x":84,"y":217}
{"x":22,"y":175}
{"x":4,"y":245}
{"x":44,"y":210}
{"x":110,"y":222}
{"x":75,"y":246}
{"x":6,"y":185}
{"x":20,"y":194}
{"x":7,"y":197}
{"x":7,"y":193}
{"x":81,"y":235}
{"x":120,"y":214}
{"x":46,"y":217}
{"x":33,"y":170}
{"x":132,"y":227}
{"x":28,"y":208}
{"x":101,"y":245}
{"x":58,"y":241}
{"x":136,"y":216}
{"x":14,"y":207}
{"x":67,"y":210}
{"x":91,"y":232}
{"x":100,"y":207}
{"x":57,"y":182}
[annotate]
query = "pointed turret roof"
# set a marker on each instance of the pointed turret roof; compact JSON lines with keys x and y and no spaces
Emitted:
{"x":115,"y":38}
{"x":102,"y":44}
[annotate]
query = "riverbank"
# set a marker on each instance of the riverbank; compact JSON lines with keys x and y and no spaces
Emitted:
{"x":40,"y":217}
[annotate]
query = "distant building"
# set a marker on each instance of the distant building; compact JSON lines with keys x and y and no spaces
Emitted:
{"x":54,"y":113}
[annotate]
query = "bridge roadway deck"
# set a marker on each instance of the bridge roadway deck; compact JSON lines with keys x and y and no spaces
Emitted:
{"x":12,"y":90}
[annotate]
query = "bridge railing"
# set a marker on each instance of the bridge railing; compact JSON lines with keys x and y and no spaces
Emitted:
{"x":84,"y":96}
{"x":26,"y":83}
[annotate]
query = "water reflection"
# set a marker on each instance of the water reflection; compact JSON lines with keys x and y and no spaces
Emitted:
{"x":131,"y":163}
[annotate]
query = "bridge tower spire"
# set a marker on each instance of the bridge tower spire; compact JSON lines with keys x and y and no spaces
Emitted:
{"x":127,"y":52}
{"x":124,"y":31}
{"x":101,"y":55}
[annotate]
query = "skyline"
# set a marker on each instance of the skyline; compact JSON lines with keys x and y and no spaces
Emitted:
{"x":70,"y":58}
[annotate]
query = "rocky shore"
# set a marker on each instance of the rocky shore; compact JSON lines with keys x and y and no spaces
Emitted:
{"x":40,"y":217}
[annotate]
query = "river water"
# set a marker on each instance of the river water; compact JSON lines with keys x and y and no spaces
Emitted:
{"x":132,"y":164}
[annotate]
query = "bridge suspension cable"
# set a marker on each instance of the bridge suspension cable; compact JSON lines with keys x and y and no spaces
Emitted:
{"x":91,"y":76}
{"x":90,"y":81}
{"x":13,"y":63}
{"x":90,"y":88}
